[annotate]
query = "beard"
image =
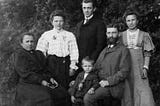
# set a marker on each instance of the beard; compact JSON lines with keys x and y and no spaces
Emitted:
{"x":112,"y":41}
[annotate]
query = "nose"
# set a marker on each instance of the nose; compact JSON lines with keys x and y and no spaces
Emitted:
{"x":30,"y":43}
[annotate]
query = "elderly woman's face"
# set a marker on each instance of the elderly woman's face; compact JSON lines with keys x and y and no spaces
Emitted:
{"x":58,"y":22}
{"x":131,"y":21}
{"x":28,"y":42}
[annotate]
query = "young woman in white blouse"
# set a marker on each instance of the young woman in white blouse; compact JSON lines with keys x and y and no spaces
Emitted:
{"x":141,"y":47}
{"x":60,"y":47}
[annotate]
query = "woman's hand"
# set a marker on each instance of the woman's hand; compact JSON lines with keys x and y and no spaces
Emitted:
{"x":44,"y":83}
{"x":73,"y":99}
{"x":91,"y":91}
{"x":144,"y":73}
{"x":71,"y":72}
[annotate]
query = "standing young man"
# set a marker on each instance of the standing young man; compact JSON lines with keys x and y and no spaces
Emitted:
{"x":90,"y":32}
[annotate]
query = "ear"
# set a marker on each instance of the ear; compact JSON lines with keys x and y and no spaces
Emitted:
{"x":94,"y":9}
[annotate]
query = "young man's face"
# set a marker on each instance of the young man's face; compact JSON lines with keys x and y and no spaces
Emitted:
{"x":58,"y":22}
{"x":88,"y":9}
{"x":87,"y":66}
{"x":28,"y":42}
{"x":112,"y":35}
{"x":131,"y":21}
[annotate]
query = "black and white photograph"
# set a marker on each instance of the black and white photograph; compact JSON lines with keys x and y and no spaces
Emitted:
{"x":79,"y":52}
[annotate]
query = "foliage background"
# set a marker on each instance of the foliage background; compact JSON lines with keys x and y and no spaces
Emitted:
{"x":17,"y":16}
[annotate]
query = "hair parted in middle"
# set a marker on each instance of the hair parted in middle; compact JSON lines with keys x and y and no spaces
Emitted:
{"x":57,"y":13}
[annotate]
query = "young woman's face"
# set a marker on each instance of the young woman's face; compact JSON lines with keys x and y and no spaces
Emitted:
{"x":131,"y":21}
{"x":58,"y":22}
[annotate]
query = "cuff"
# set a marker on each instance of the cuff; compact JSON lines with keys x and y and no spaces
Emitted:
{"x":145,"y":67}
{"x":73,"y":65}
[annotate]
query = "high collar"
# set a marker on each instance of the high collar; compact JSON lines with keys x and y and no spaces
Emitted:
{"x":88,"y":18}
{"x":57,"y":31}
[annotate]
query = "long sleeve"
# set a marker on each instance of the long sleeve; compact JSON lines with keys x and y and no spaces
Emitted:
{"x":42,"y":44}
{"x":26,"y":69}
{"x":73,"y":49}
{"x":101,"y":40}
{"x":124,"y":68}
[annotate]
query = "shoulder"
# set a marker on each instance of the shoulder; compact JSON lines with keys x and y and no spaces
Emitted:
{"x":92,"y":76}
{"x":123,"y":33}
{"x":80,"y":75}
{"x":69,"y":34}
{"x":122,"y":47}
{"x":47,"y":34}
{"x":98,"y":21}
{"x":21,"y":54}
{"x":40,"y":53}
{"x":145,"y":34}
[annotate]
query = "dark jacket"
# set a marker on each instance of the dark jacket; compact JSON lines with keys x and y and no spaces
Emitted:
{"x":91,"y":81}
{"x":91,"y":38}
{"x":30,"y":66}
{"x":114,"y":66}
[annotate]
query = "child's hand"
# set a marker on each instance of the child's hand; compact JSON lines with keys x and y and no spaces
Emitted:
{"x":80,"y":86}
{"x":73,"y":99}
{"x":71,"y":83}
{"x":91,"y":91}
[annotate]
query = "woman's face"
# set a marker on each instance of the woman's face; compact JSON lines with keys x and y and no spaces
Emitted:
{"x":58,"y":22}
{"x":131,"y":21}
{"x":28,"y":42}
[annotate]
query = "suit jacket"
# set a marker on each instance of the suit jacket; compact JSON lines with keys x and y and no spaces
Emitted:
{"x":114,"y":65}
{"x":90,"y":81}
{"x":91,"y":38}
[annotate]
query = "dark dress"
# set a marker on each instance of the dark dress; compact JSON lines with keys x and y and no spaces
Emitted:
{"x":30,"y":67}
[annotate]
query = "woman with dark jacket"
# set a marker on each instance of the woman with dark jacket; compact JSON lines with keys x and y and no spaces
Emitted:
{"x":35,"y":86}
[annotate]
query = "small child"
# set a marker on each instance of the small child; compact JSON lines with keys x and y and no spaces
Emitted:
{"x":86,"y":82}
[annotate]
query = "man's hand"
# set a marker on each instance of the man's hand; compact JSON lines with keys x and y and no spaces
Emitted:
{"x":73,"y":99}
{"x":104,"y":83}
{"x":91,"y":91}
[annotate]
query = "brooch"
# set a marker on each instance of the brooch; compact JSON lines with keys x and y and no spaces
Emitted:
{"x":54,"y":37}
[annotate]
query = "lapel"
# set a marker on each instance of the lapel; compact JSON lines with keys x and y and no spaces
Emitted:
{"x":88,"y":77}
{"x":78,"y":28}
{"x":124,"y":38}
{"x":89,"y":21}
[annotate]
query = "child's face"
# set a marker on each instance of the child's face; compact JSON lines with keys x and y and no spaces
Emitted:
{"x":87,"y":66}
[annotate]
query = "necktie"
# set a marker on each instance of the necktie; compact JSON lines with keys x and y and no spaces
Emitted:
{"x":86,"y":20}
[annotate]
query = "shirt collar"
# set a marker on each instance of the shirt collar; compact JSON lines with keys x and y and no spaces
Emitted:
{"x":88,"y":17}
{"x":57,"y":31}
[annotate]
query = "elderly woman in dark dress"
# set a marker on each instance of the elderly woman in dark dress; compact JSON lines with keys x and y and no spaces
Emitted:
{"x":35,"y":86}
